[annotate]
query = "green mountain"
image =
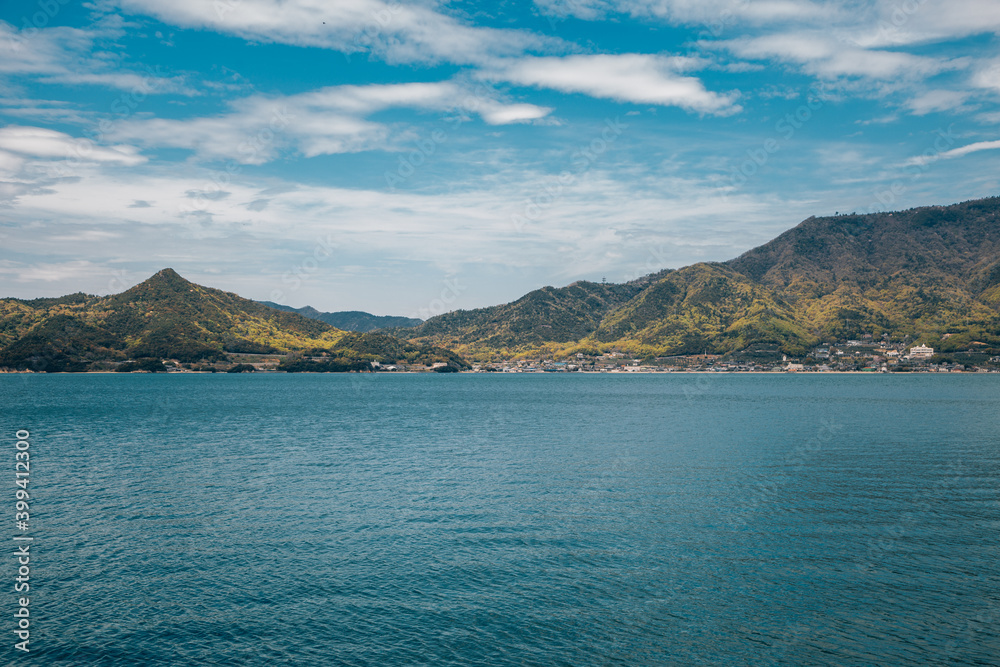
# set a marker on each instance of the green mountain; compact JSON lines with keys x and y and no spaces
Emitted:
{"x":924,"y":273}
{"x":168,"y":317}
{"x":350,"y":320}
{"x":545,"y":316}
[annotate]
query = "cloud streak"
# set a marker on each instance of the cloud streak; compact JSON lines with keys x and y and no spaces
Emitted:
{"x":961,"y":151}
{"x":827,"y":57}
{"x":632,"y":77}
{"x":323,"y":122}
{"x":399,"y":32}
{"x":66,"y":56}
{"x":40,"y":142}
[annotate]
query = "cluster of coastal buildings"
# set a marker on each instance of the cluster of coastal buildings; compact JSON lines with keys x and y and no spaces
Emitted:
{"x":850,"y":356}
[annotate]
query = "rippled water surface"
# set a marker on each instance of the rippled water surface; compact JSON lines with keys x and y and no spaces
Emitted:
{"x":501,"y":520}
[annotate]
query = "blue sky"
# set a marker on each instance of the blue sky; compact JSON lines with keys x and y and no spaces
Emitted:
{"x":413,"y":158}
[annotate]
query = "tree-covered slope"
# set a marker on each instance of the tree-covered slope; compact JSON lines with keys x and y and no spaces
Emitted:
{"x":704,"y":307}
{"x":925,"y":271}
{"x":169,"y":317}
{"x":949,"y":245}
{"x":547,"y":315}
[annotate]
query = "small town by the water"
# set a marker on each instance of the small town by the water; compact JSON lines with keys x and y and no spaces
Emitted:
{"x":865,"y":355}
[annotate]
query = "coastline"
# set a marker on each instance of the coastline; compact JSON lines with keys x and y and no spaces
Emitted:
{"x":694,"y":372}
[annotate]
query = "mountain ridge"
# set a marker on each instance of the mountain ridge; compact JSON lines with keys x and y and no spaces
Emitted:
{"x":169,"y":317}
{"x":923,"y":272}
{"x":928,"y":274}
{"x":350,"y":320}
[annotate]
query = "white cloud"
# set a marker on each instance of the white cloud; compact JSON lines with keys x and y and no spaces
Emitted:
{"x":715,"y":15}
{"x":992,"y":118}
{"x":87,"y":236}
{"x":141,"y":84}
{"x":631,"y":77}
{"x":44,"y":111}
{"x":65,"y":56}
{"x":937,"y":100}
{"x":972,"y":148}
{"x":10,"y":163}
{"x":988,"y":76}
{"x":51,"y":272}
{"x":961,"y":151}
{"x":513,"y":113}
{"x":42,"y":51}
{"x":401,"y":32}
{"x":322,"y":122}
{"x":44,"y":143}
{"x":827,"y":57}
{"x":256,"y":135}
{"x":588,"y":10}
{"x":891,"y":22}
{"x":872,"y":23}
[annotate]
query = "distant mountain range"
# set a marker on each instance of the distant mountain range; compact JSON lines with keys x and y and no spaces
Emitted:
{"x":350,"y":320}
{"x":924,"y":273}
{"x":168,"y":317}
{"x":930,"y":274}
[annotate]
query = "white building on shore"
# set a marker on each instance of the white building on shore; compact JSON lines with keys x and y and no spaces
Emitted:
{"x":921,"y":352}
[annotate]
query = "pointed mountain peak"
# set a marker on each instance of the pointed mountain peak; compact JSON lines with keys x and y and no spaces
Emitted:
{"x":161,"y":283}
{"x":166,"y":279}
{"x":166,"y":275}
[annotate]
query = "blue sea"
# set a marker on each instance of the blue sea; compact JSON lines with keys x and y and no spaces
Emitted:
{"x":548,"y":519}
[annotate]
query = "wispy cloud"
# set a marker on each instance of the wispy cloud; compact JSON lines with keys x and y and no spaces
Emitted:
{"x":871,"y":23}
{"x":937,"y":100}
{"x":66,"y":56}
{"x":988,"y":76}
{"x":630,"y":77}
{"x":706,"y":12}
{"x":399,"y":32}
{"x":44,"y":143}
{"x":961,"y":151}
{"x":322,"y":122}
{"x":894,"y":23}
{"x":52,"y":272}
{"x":825,"y":56}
